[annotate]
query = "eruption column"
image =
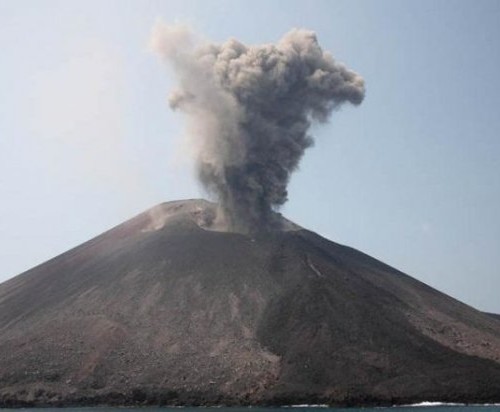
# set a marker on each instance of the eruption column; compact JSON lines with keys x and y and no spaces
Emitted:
{"x":249,"y":109}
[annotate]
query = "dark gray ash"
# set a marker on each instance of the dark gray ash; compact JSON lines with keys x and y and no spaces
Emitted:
{"x":249,"y":110}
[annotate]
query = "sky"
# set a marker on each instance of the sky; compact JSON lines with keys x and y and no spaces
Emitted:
{"x":411,"y":176}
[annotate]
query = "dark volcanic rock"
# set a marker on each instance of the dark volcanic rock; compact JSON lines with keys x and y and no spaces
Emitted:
{"x":160,"y":310}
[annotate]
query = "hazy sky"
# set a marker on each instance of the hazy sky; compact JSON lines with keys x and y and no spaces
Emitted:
{"x":410,"y":177}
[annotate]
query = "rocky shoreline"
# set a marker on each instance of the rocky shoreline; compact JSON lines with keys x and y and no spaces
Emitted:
{"x":140,"y":398}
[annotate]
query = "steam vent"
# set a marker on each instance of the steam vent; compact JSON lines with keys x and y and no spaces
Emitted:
{"x":166,"y":309}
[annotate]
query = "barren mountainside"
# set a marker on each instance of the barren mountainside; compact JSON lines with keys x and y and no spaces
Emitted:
{"x":161,"y":310}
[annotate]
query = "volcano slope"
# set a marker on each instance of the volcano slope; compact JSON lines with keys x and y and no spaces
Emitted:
{"x":160,"y":310}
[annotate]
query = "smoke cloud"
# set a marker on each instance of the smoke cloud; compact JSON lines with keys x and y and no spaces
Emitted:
{"x":249,"y":109}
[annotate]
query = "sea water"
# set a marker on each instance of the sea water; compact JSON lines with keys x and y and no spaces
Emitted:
{"x":423,"y":407}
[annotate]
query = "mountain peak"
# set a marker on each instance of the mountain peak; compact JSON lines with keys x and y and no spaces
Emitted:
{"x":200,"y":212}
{"x":160,"y":310}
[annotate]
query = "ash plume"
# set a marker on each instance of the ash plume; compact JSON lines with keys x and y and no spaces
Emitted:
{"x":249,"y":109}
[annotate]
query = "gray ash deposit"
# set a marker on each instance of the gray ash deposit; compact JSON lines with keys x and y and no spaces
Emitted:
{"x":163,"y":309}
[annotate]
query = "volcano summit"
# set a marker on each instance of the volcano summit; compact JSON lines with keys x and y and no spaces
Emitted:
{"x":163,"y":309}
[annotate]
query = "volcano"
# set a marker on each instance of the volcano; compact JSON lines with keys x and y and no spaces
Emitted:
{"x":166,"y":310}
